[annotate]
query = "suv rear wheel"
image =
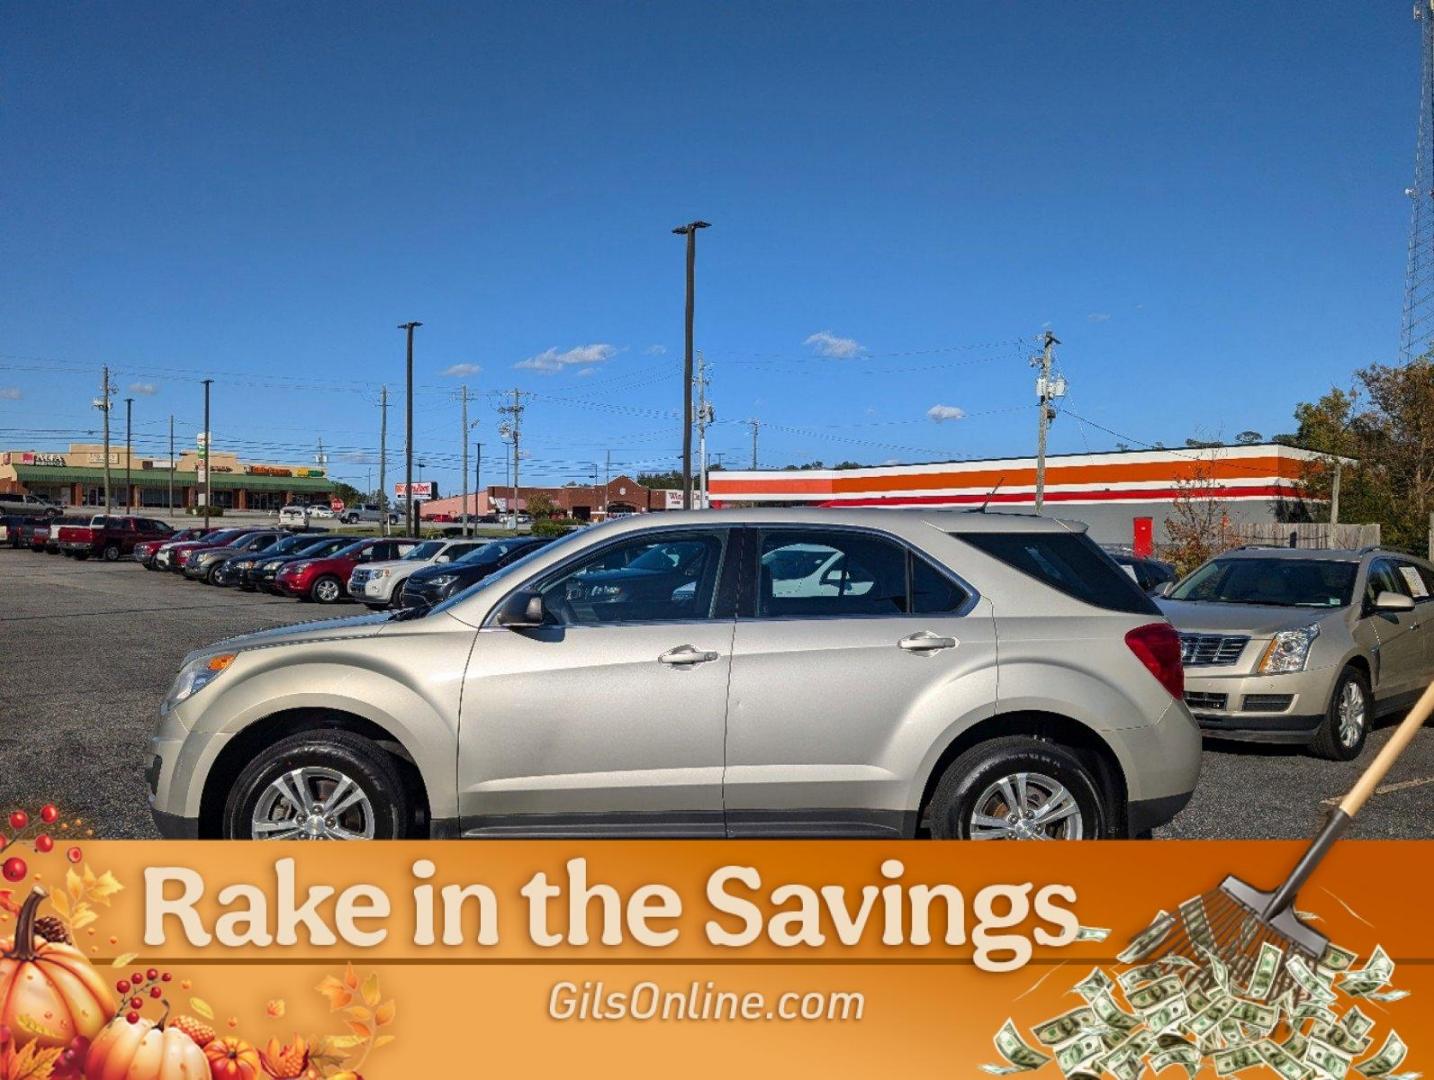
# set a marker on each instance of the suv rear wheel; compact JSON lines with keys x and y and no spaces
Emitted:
{"x":1346,"y":721}
{"x":318,"y":785}
{"x":111,"y":552}
{"x":1017,"y":788}
{"x":327,"y":590}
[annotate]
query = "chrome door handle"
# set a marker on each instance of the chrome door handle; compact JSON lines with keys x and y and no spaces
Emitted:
{"x":686,"y":654}
{"x":925,"y":641}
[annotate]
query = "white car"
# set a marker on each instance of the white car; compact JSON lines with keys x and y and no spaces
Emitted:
{"x":809,"y":570}
{"x":380,"y":584}
{"x":320,"y":511}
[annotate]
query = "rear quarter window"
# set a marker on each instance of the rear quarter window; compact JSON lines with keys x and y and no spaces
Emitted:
{"x":1070,"y":563}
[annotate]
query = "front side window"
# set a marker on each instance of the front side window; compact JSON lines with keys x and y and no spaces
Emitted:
{"x":1384,"y":578}
{"x":653,"y":578}
{"x":813,"y":574}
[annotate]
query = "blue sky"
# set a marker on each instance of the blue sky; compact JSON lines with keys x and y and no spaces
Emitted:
{"x":1205,"y":201}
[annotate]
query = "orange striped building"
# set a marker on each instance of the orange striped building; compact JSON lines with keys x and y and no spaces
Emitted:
{"x":1124,"y":496}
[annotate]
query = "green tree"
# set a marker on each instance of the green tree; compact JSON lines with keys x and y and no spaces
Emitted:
{"x":351,"y":495}
{"x":541,"y":507}
{"x":659,"y":480}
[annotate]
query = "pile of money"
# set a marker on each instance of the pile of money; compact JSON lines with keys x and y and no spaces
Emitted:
{"x":1196,"y":1011}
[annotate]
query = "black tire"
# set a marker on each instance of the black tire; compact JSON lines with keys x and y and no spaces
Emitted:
{"x":326,"y":589}
{"x":343,"y":752}
{"x":211,"y":576}
{"x":968,"y":778}
{"x":111,"y":553}
{"x":1332,"y":741}
{"x":149,"y":565}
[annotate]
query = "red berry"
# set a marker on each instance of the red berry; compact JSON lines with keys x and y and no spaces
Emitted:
{"x":14,"y":868}
{"x":136,"y":1003}
{"x":74,"y":854}
{"x":49,"y":814}
{"x":132,"y":1017}
{"x":155,"y":992}
{"x":165,"y":977}
{"x":19,"y":819}
{"x":152,"y":974}
{"x":43,"y":844}
{"x":122,"y":986}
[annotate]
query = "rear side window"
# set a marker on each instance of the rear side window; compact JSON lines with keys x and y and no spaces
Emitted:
{"x":1069,"y":563}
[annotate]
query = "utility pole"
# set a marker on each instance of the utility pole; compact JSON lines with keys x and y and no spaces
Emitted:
{"x":1047,"y":390}
{"x":464,"y":398}
{"x":383,"y":459}
{"x":754,"y":424}
{"x":1334,"y":498}
{"x":607,"y":481}
{"x":106,"y":392}
{"x":408,"y":515}
{"x":705,"y":416}
{"x":477,"y":479}
{"x":171,"y":464}
{"x":690,"y":231}
{"x":128,"y":453}
{"x":514,"y":430}
{"x":208,"y":480}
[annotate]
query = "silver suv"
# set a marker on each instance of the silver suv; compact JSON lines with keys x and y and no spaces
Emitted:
{"x":740,"y":673}
{"x":1302,"y":646}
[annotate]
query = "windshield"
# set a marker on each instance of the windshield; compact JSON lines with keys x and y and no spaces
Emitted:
{"x":1315,"y":583}
{"x":492,"y":552}
{"x":290,"y":543}
{"x":353,"y":548}
{"x":426,"y":550}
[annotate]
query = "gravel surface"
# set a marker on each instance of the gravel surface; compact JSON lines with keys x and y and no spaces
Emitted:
{"x":88,"y":650}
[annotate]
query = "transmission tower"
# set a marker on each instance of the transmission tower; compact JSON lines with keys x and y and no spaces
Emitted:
{"x":1417,"y":333}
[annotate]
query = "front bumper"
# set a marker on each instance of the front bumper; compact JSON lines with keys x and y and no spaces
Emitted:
{"x":374,"y":591}
{"x":1285,"y":708}
{"x":76,"y":547}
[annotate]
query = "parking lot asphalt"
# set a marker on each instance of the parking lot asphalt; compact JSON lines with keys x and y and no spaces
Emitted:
{"x":88,"y":651}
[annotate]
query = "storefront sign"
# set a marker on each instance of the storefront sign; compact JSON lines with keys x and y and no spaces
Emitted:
{"x":421,"y":490}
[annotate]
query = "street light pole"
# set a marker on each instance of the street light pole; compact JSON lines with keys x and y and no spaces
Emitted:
{"x":128,"y":453}
{"x":208,"y":480}
{"x":690,"y":231}
{"x":409,"y":328}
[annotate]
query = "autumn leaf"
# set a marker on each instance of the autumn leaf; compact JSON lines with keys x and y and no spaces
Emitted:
{"x":383,"y":1040}
{"x":384,"y":1014}
{"x":74,"y":885}
{"x":61,"y":903}
{"x":123,"y":960}
{"x":276,"y":1008}
{"x":103,"y":888}
{"x":335,"y":1043}
{"x":202,"y":1007}
{"x":338,"y":994}
{"x":363,"y":1031}
{"x":351,"y":979}
{"x":371,"y":993}
{"x":359,"y":1013}
{"x":32,"y":1062}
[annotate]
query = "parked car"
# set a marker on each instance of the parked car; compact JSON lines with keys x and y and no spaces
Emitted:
{"x":238,"y":568}
{"x":110,"y":537}
{"x":51,"y":543}
{"x":27,"y":505}
{"x":321,"y":578}
{"x":204,"y":563}
{"x":545,"y":701}
{"x":1301,"y":646}
{"x":12,"y":528}
{"x":173,"y":557}
{"x":352,"y":515}
{"x":431,"y":585}
{"x":380,"y":584}
{"x":35,"y":533}
{"x":1150,"y":574}
{"x":298,"y":514}
{"x":146,"y":552}
{"x":266,"y":569}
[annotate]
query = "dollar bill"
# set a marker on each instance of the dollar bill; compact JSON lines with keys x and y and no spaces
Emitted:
{"x":1313,"y":1010}
{"x":1282,"y":1061}
{"x":1375,"y":974}
{"x":1296,"y":1043}
{"x":1236,"y":1058}
{"x":1209,"y":1018}
{"x":1197,"y":998}
{"x":1063,"y":1028}
{"x":1336,"y":959}
{"x":1217,"y":969}
{"x":1391,"y":1055}
{"x":1355,"y":1022}
{"x":1092,"y":933}
{"x":1144,"y":973}
{"x":1168,"y":1015}
{"x":1262,"y":1017}
{"x":1387,"y":995}
{"x":1014,"y":1049}
{"x":1186,"y":1056}
{"x":1341,"y":1038}
{"x":1327,"y":1059}
{"x":1149,"y":939}
{"x":1267,"y":966}
{"x":1151,"y":996}
{"x":1094,"y":985}
{"x":1082,"y":1050}
{"x":1308,"y":981}
{"x":1112,"y":1015}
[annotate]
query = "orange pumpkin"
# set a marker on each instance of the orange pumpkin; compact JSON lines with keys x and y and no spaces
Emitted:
{"x":231,"y":1058}
{"x":144,"y":1050}
{"x":50,"y":993}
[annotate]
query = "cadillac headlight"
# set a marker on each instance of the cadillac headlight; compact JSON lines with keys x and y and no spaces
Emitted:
{"x":1288,"y":651}
{"x":195,"y":676}
{"x":443,"y":580}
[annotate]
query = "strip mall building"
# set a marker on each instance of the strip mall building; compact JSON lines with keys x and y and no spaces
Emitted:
{"x":1125,"y":497}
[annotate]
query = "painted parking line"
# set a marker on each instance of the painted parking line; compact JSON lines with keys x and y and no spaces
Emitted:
{"x":1387,"y":789}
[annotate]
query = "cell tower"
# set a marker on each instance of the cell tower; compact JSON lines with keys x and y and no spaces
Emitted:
{"x":1417,"y":333}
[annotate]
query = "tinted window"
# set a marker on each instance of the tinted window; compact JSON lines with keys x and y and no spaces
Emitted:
{"x":494,"y":552}
{"x":1383,"y":578}
{"x":932,"y":592}
{"x":1068,"y":562}
{"x":645,"y":579}
{"x":847,"y":573}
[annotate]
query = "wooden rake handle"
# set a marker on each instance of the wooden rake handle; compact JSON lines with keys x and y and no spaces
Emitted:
{"x":1384,"y":761}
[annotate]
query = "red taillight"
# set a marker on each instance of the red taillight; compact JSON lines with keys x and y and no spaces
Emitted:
{"x":1157,"y":646}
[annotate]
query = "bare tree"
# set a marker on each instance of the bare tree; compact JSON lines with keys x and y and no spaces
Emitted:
{"x":1199,"y":527}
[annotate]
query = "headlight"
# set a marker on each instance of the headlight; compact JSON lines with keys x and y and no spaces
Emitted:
{"x":1288,"y":650}
{"x":379,"y":573}
{"x":443,"y":580}
{"x":195,"y":676}
{"x":244,"y":564}
{"x":297,"y":566}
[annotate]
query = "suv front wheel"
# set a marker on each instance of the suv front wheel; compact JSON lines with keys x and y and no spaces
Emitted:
{"x":1017,"y":788}
{"x":318,"y":785}
{"x":1346,"y":721}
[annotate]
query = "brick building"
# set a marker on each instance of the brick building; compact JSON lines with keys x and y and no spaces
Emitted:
{"x":581,"y":502}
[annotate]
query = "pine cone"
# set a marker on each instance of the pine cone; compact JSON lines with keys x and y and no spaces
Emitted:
{"x":52,"y":929}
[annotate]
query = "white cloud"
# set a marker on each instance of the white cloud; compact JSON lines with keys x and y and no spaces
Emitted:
{"x":145,"y":388}
{"x":1098,"y":316}
{"x":942,"y":413}
{"x":577,"y":356}
{"x":459,"y":370}
{"x":837,"y":348}
{"x":10,"y":393}
{"x":656,"y":350}
{"x":587,"y":371}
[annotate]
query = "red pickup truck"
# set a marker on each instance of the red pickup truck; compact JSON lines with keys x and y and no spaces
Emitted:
{"x":110,"y":537}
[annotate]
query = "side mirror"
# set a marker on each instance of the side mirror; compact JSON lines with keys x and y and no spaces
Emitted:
{"x":522,"y":611}
{"x":1165,"y":589}
{"x":1393,"y":601}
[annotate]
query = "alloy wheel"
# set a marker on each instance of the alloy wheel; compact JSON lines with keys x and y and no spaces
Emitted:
{"x":312,"y":803}
{"x":327,"y":591}
{"x":1351,"y":713}
{"x":1026,"y":806}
